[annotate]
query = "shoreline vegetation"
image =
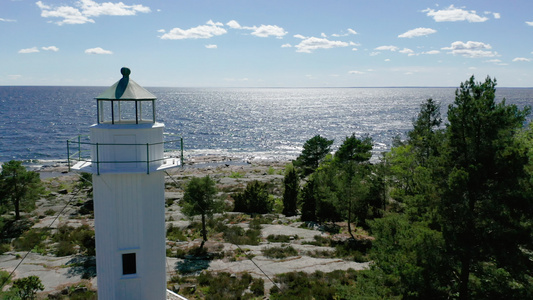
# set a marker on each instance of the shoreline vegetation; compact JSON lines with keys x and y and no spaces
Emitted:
{"x":445,"y":214}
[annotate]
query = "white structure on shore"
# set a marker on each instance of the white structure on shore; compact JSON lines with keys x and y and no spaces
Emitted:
{"x":128,"y":189}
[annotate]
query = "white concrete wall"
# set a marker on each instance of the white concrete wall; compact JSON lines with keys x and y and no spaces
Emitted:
{"x":129,"y":211}
{"x":129,"y":218}
{"x":117,"y":134}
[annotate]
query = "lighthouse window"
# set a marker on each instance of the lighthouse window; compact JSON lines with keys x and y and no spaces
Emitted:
{"x":129,"y":264}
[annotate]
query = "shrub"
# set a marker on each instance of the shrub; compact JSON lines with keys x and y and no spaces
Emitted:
{"x":175,"y":234}
{"x":254,"y":199}
{"x":238,"y":236}
{"x":258,"y":287}
{"x":279,"y":252}
{"x":278,"y":238}
{"x":31,"y":239}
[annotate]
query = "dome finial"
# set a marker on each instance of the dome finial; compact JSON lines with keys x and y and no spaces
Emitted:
{"x":125,"y":72}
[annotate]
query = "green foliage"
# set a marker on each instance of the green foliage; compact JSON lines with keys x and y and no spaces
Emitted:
{"x":354,"y":149}
{"x":67,"y":237}
{"x":19,"y":187}
{"x":291,"y":189}
{"x":26,"y":288}
{"x":236,"y":175}
{"x":483,"y":208}
{"x":278,"y":238}
{"x":279,"y":252}
{"x":409,"y":261}
{"x":238,"y":236}
{"x":31,"y":240}
{"x":200,"y":199}
{"x":313,"y":153}
{"x":318,"y":285}
{"x":254,"y":199}
{"x":175,"y":234}
{"x":226,"y":286}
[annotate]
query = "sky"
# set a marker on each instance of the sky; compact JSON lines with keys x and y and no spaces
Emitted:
{"x":274,"y":43}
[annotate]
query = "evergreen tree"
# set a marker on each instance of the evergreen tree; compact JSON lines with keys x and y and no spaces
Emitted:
{"x":308,"y":200}
{"x":354,"y":149}
{"x":313,"y":153}
{"x":291,"y":184}
{"x":199,"y":199}
{"x":18,"y":186}
{"x":483,"y":208}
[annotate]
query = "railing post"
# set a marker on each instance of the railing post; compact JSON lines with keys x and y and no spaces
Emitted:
{"x":147,"y":158}
{"x":97,"y":161}
{"x":68,"y":156}
{"x":79,"y":147}
{"x":181,"y":156}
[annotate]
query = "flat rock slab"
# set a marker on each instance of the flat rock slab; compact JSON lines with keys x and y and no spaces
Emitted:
{"x":52,"y":271}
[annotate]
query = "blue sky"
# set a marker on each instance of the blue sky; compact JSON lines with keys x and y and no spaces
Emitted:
{"x":245,"y":43}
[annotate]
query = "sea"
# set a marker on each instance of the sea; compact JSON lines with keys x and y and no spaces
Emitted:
{"x":245,"y":124}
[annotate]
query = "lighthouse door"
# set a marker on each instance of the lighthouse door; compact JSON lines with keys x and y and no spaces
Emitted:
{"x":126,"y":151}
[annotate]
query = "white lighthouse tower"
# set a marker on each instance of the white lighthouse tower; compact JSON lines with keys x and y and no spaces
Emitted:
{"x":128,"y":189}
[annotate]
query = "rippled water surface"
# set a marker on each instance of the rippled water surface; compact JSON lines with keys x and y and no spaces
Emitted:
{"x":269,"y":123}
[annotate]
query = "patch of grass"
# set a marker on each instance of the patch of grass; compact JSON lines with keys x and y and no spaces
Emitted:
{"x":175,"y":234}
{"x":236,"y":175}
{"x":319,"y":241}
{"x":279,"y":238}
{"x":271,"y":171}
{"x":318,"y":285}
{"x":222,"y":286}
{"x":49,"y":212}
{"x":31,"y":239}
{"x":67,"y":237}
{"x":238,"y":236}
{"x":279,"y":252}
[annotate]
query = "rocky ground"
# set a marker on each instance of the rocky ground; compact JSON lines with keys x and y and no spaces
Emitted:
{"x":56,"y":273}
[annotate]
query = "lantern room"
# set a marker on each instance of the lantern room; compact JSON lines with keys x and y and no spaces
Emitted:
{"x":125,"y":102}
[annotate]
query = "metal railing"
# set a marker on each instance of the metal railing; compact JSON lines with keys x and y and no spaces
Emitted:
{"x":79,"y":150}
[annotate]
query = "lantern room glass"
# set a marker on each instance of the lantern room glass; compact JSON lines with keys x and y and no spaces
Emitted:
{"x":125,"y":111}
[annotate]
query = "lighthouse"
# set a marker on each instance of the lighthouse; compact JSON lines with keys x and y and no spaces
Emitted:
{"x":128,"y":163}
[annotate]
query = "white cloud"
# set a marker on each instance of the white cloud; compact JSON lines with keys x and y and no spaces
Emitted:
{"x":356,"y":72}
{"x":497,"y":15}
{"x":349,"y":32}
{"x":374,"y":53}
{"x":355,"y":49}
{"x":522,"y":59}
{"x":313,"y":43}
{"x":211,"y":46}
{"x":286,"y":46}
{"x":387,"y":60}
{"x":407,"y":51}
{"x":387,"y":48}
{"x":97,"y":50}
{"x":14,"y":77}
{"x":420,"y":31}
{"x":50,"y":48}
{"x":453,"y":14}
{"x":529,"y":23}
{"x":6,"y":20}
{"x":85,"y":9}
{"x":269,"y":30}
{"x":200,"y":32}
{"x":233,"y":24}
{"x":431,"y":52}
{"x":471,"y":49}
{"x":299,"y":36}
{"x":93,"y":9}
{"x":29,"y":50}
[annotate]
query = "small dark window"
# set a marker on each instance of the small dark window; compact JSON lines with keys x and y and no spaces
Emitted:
{"x":129,"y":264}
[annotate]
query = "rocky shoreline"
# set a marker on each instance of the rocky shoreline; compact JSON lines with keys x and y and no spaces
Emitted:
{"x":58,"y":272}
